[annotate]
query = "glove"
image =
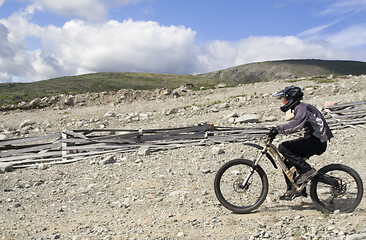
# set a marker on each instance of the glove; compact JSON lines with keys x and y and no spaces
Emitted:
{"x":273,"y":132}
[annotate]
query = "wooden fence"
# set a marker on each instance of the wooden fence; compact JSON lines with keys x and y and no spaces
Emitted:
{"x":71,"y":146}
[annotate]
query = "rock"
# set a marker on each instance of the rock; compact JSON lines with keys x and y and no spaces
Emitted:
{"x":6,"y":167}
{"x":205,"y":170}
{"x":26,"y":123}
{"x":144,"y":151}
{"x":79,"y":123}
{"x":167,"y":92}
{"x":221,"y":85}
{"x":35,"y":103}
{"x":171,"y":111}
{"x":69,"y":100}
{"x":178,"y":193}
{"x":217,"y":150}
{"x":42,"y":166}
{"x":231,"y":115}
{"x":247,"y":118}
{"x":108,"y":160}
{"x":329,"y":104}
{"x":361,"y":236}
{"x":215,"y":109}
{"x":269,"y":119}
{"x":110,"y":114}
{"x":176,"y":94}
{"x":225,"y":105}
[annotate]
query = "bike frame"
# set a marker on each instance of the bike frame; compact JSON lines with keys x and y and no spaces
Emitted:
{"x":274,"y":155}
{"x":278,"y":158}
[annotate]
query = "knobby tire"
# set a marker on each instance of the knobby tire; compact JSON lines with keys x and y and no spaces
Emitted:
{"x":332,"y":197}
{"x":228,"y":190}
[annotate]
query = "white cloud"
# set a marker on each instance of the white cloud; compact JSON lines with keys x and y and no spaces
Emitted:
{"x":220,"y":54}
{"x":92,"y":10}
{"x":121,"y":46}
{"x":314,"y":32}
{"x":1,"y":2}
{"x":80,"y":47}
{"x":341,"y":7}
{"x":351,"y":37}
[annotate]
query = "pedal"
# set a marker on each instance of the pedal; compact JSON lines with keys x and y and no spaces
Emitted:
{"x":302,"y":190}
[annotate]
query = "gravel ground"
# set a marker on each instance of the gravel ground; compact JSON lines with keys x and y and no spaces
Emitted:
{"x":169,"y":194}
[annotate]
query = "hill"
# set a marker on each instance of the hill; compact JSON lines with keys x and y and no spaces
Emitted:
{"x":14,"y":93}
{"x":288,"y":69}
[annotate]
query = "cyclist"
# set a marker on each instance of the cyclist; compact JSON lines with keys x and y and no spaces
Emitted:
{"x":314,"y":141}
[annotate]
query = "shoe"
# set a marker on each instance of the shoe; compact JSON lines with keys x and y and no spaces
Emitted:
{"x":306,"y":176}
{"x":289,"y":195}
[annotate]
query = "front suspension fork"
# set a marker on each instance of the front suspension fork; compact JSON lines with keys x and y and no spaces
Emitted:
{"x":255,"y":163}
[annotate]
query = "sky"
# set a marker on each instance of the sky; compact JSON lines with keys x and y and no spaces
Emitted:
{"x":43,"y":39}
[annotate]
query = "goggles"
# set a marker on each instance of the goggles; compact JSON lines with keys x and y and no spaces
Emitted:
{"x":284,"y":100}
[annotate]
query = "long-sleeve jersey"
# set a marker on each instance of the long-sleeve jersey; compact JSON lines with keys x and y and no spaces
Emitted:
{"x":310,"y":119}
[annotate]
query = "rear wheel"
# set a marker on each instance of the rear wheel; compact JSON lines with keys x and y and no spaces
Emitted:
{"x":231,"y":192}
{"x":336,"y":187}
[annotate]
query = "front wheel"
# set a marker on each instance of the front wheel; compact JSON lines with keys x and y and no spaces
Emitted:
{"x":234,"y":192}
{"x":336,"y":187}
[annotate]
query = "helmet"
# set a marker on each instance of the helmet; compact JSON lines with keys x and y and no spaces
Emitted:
{"x":290,"y":97}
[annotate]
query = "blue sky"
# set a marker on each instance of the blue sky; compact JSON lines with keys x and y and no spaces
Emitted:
{"x":42,"y":39}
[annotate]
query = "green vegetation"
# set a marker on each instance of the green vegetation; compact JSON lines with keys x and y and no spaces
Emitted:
{"x":13,"y":93}
{"x":290,"y":70}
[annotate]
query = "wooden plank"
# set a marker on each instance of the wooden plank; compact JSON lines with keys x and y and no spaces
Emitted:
{"x":177,"y":131}
{"x":31,"y":149}
{"x":26,"y":156}
{"x":34,"y":144}
{"x":123,"y":136}
{"x":169,"y":137}
{"x":95,"y":153}
{"x":349,"y":110}
{"x":103,"y":130}
{"x":75,"y":145}
{"x":87,"y":147}
{"x":144,"y":131}
{"x":29,"y":139}
{"x":63,"y":146}
{"x":75,"y":135}
{"x":36,"y":160}
{"x":343,"y":105}
{"x":34,"y":165}
{"x":356,"y":115}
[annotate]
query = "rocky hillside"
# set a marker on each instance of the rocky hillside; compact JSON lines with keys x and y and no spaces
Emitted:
{"x":288,"y":69}
{"x":18,"y":95}
{"x":169,"y":194}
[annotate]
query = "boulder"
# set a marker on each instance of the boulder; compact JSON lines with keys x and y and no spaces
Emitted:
{"x":144,"y":151}
{"x":248,"y":118}
{"x":6,"y":167}
{"x":329,"y":104}
{"x":35,"y":102}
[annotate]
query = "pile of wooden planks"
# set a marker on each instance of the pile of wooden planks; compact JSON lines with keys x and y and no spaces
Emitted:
{"x":346,"y":115}
{"x":71,"y":146}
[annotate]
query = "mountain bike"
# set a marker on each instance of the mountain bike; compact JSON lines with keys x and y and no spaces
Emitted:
{"x":241,"y":185}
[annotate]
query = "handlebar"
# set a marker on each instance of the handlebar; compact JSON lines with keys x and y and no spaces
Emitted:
{"x":271,"y":135}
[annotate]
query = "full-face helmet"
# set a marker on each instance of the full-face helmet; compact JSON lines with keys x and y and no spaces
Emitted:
{"x":290,"y":97}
